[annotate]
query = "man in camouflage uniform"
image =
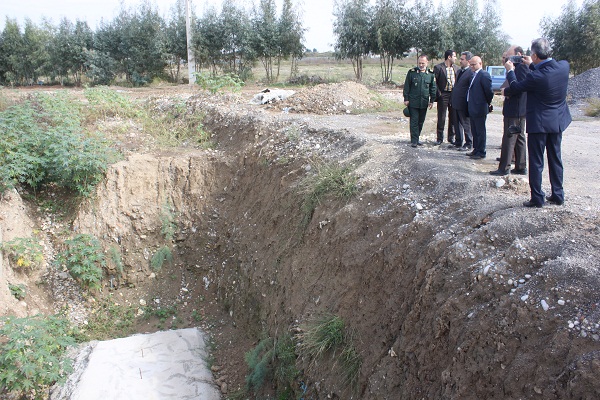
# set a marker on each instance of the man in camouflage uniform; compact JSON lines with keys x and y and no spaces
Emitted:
{"x":419,"y":95}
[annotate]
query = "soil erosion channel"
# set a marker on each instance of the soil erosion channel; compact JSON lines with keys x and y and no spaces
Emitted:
{"x":450,"y":287}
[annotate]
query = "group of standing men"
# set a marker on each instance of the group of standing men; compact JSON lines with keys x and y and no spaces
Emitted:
{"x":535,"y":92}
{"x":464,"y":93}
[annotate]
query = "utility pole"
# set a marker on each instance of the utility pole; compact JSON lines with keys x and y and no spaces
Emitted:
{"x":190,"y":52}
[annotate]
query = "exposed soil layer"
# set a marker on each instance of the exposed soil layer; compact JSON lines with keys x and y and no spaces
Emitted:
{"x":452,"y":288}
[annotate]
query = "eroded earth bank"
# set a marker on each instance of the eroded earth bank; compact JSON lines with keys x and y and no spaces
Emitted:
{"x":452,"y":290}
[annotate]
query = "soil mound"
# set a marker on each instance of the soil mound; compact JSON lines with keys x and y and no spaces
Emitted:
{"x":331,"y":98}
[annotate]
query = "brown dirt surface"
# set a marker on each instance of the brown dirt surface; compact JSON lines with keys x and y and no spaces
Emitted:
{"x":451,"y":288}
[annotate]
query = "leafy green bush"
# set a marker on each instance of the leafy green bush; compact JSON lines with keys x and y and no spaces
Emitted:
{"x":215,"y":84}
{"x":32,"y":354}
{"x":114,"y":255}
{"x":43,"y":141}
{"x":25,"y":253}
{"x":163,"y":255}
{"x":329,"y":179}
{"x":84,"y":260}
{"x":108,"y":320}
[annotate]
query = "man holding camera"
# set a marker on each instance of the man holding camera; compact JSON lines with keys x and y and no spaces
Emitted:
{"x":513,"y":110}
{"x":547,"y":117}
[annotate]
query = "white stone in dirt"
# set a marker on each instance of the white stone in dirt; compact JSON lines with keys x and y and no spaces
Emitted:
{"x":524,"y":297}
{"x":500,"y":183}
{"x":544,"y":305}
{"x":561,"y":302}
{"x":419,"y":206}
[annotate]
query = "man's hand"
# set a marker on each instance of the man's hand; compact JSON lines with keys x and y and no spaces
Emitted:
{"x":430,"y":105}
{"x":527,"y":60}
{"x":509,"y":66}
{"x":406,"y":103}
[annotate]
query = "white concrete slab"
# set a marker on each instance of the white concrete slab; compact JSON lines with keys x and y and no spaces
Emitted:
{"x":162,"y":365}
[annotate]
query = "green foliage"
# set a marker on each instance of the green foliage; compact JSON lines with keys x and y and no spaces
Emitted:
{"x":18,"y":291}
{"x":275,"y":360}
{"x":322,"y":335}
{"x":105,"y":102}
{"x":84,"y":260}
{"x":43,"y":141}
{"x":167,"y":220}
{"x":328,"y":335}
{"x":218,"y":83}
{"x":24,"y":253}
{"x":329,"y":179}
{"x":108,"y":320}
{"x":575,"y":35}
{"x":175,"y":125}
{"x":163,"y":255}
{"x":593,"y":107}
{"x":32,"y":354}
{"x":114,"y":255}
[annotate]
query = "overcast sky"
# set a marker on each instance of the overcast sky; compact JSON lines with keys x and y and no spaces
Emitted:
{"x":520,"y":17}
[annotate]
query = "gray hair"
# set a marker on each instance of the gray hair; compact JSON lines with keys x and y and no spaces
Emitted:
{"x":541,"y":48}
{"x":467,"y":55}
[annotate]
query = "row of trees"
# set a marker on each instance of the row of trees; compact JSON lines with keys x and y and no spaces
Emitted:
{"x":575,"y":35}
{"x":141,"y":45}
{"x":390,"y":28}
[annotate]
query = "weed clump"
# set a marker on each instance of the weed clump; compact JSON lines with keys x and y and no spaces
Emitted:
{"x":329,"y":179}
{"x":24,"y":253}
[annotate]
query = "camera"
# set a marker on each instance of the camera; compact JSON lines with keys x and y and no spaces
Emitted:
{"x":516,"y":59}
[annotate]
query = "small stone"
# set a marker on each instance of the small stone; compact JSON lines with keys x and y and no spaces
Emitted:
{"x":500,"y":183}
{"x":486,"y":269}
{"x":544,"y":305}
{"x":524,"y":297}
{"x":152,"y":275}
{"x":571,"y":324}
{"x":510,"y":282}
{"x":224,"y":388}
{"x":527,"y":276}
{"x":405,"y":186}
{"x":561,"y":302}
{"x":419,"y":206}
{"x":142,"y":302}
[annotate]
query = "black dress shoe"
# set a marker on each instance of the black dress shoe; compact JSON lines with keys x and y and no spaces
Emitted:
{"x":497,"y":158}
{"x":420,"y":144}
{"x":469,"y":153}
{"x":413,"y":145}
{"x":519,"y":171}
{"x":438,"y":142}
{"x":499,"y":172}
{"x":532,"y":204}
{"x":477,"y":157}
{"x":465,"y":148}
{"x":554,"y":200}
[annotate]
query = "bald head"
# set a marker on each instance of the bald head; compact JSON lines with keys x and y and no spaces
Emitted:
{"x":475,"y":63}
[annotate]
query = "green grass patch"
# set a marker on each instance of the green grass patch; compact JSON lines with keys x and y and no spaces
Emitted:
{"x":108,"y":320}
{"x":328,"y":335}
{"x":328,"y":180}
{"x":162,"y":256}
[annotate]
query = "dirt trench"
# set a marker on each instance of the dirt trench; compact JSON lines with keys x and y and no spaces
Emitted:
{"x":453,"y":290}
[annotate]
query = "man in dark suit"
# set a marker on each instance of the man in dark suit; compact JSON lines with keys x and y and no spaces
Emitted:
{"x":458,"y":101}
{"x":547,"y":117}
{"x":513,"y":110}
{"x":445,"y":79}
{"x":479,"y":98}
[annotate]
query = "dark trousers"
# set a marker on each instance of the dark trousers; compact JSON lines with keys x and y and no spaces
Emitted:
{"x":443,"y":105}
{"x":513,"y":143}
{"x":462,"y":124}
{"x":417,"y":118}
{"x":479,"y":135}
{"x":536,"y":144}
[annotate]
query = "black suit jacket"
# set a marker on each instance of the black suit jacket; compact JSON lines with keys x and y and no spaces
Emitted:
{"x":480,"y":94}
{"x":546,"y":87}
{"x":441,"y":79}
{"x":458,"y":100}
{"x":515,"y":105}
